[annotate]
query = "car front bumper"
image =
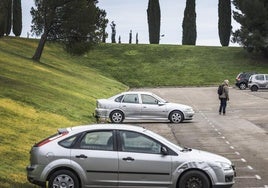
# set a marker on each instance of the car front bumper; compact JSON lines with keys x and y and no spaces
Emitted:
{"x":188,"y":115}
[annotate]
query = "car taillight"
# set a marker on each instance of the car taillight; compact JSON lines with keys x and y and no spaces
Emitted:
{"x":51,"y":138}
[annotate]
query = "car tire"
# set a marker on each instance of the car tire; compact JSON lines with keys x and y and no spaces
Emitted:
{"x":254,"y":88}
{"x":116,"y":116}
{"x":63,"y":178}
{"x":176,"y":117}
{"x":242,"y":86}
{"x":194,"y":178}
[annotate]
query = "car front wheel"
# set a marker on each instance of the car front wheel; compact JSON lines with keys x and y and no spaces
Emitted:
{"x":63,"y":179}
{"x":176,"y":117}
{"x":116,"y":116}
{"x":194,"y":179}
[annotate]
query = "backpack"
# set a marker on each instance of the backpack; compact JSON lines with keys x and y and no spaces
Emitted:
{"x":220,"y":89}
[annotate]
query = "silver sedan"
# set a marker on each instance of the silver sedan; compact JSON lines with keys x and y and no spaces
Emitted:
{"x":141,"y":105}
{"x":109,"y":155}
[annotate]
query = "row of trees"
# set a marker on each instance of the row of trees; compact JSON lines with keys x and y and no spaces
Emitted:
{"x":251,"y":14}
{"x":80,"y":24}
{"x":10,"y":17}
{"x":189,"y":33}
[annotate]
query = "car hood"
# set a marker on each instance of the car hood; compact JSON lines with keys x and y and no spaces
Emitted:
{"x":176,"y":105}
{"x":203,"y":156}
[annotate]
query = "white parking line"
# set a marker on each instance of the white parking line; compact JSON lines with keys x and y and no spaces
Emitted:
{"x":237,"y":153}
{"x":245,"y":167}
{"x":249,"y":177}
{"x":243,"y":160}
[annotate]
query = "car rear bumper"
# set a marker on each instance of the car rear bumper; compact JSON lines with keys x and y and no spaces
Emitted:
{"x":101,"y":114}
{"x":32,"y":172}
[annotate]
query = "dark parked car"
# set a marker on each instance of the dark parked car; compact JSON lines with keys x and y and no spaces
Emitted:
{"x":242,"y":79}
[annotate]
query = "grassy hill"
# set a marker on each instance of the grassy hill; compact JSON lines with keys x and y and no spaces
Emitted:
{"x":172,"y":65}
{"x":61,"y":90}
{"x":38,"y":98}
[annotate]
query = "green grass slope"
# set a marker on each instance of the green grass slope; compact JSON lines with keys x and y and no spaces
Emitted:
{"x":38,"y":98}
{"x":61,"y":90}
{"x":172,"y":65}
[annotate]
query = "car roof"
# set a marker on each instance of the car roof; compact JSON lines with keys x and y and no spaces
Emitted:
{"x":140,"y":92}
{"x":93,"y":127}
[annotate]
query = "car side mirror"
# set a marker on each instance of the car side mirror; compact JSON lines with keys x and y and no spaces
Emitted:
{"x":164,"y":150}
{"x":161,"y":103}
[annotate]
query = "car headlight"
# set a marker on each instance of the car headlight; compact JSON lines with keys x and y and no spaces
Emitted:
{"x":189,"y":110}
{"x":225,"y":166}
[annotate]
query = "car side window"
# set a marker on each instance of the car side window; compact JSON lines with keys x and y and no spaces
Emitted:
{"x":260,"y":77}
{"x":97,"y":140}
{"x":266,"y":77}
{"x":139,"y":143}
{"x":148,"y":99}
{"x":118,"y":99}
{"x":131,"y":98}
{"x":68,"y":142}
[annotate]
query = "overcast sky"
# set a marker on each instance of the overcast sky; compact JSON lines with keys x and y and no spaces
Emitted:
{"x":132,"y":15}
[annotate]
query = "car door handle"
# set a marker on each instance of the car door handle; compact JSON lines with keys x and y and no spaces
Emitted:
{"x":82,"y":156}
{"x":128,"y":159}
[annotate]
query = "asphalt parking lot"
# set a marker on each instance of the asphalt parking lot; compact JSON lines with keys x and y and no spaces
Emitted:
{"x":241,"y":135}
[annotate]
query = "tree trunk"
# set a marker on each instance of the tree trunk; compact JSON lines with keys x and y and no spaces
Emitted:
{"x":40,"y":48}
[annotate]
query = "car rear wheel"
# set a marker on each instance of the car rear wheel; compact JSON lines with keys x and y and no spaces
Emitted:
{"x":242,"y":86}
{"x":63,"y":179}
{"x":254,"y":88}
{"x":176,"y":117}
{"x":116,"y":116}
{"x":194,"y":179}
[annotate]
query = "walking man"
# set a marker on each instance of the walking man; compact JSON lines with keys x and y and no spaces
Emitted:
{"x":224,"y":97}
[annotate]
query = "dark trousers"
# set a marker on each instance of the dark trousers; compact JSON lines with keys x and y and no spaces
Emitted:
{"x":223,"y":105}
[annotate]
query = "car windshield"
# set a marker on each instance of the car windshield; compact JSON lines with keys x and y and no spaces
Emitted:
{"x":159,"y":98}
{"x":162,"y":139}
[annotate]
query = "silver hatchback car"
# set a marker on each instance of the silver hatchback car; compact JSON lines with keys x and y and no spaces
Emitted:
{"x":141,"y":105}
{"x":111,"y":155}
{"x":258,"y":81}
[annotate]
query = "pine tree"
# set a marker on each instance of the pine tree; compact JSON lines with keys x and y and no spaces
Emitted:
{"x":224,"y":22}
{"x":253,"y":34}
{"x":17,"y":17}
{"x":130,"y":37}
{"x":189,"y":24}
{"x":113,"y":32}
{"x":154,"y":17}
{"x":3,"y":16}
{"x":9,"y":17}
{"x":75,"y":23}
